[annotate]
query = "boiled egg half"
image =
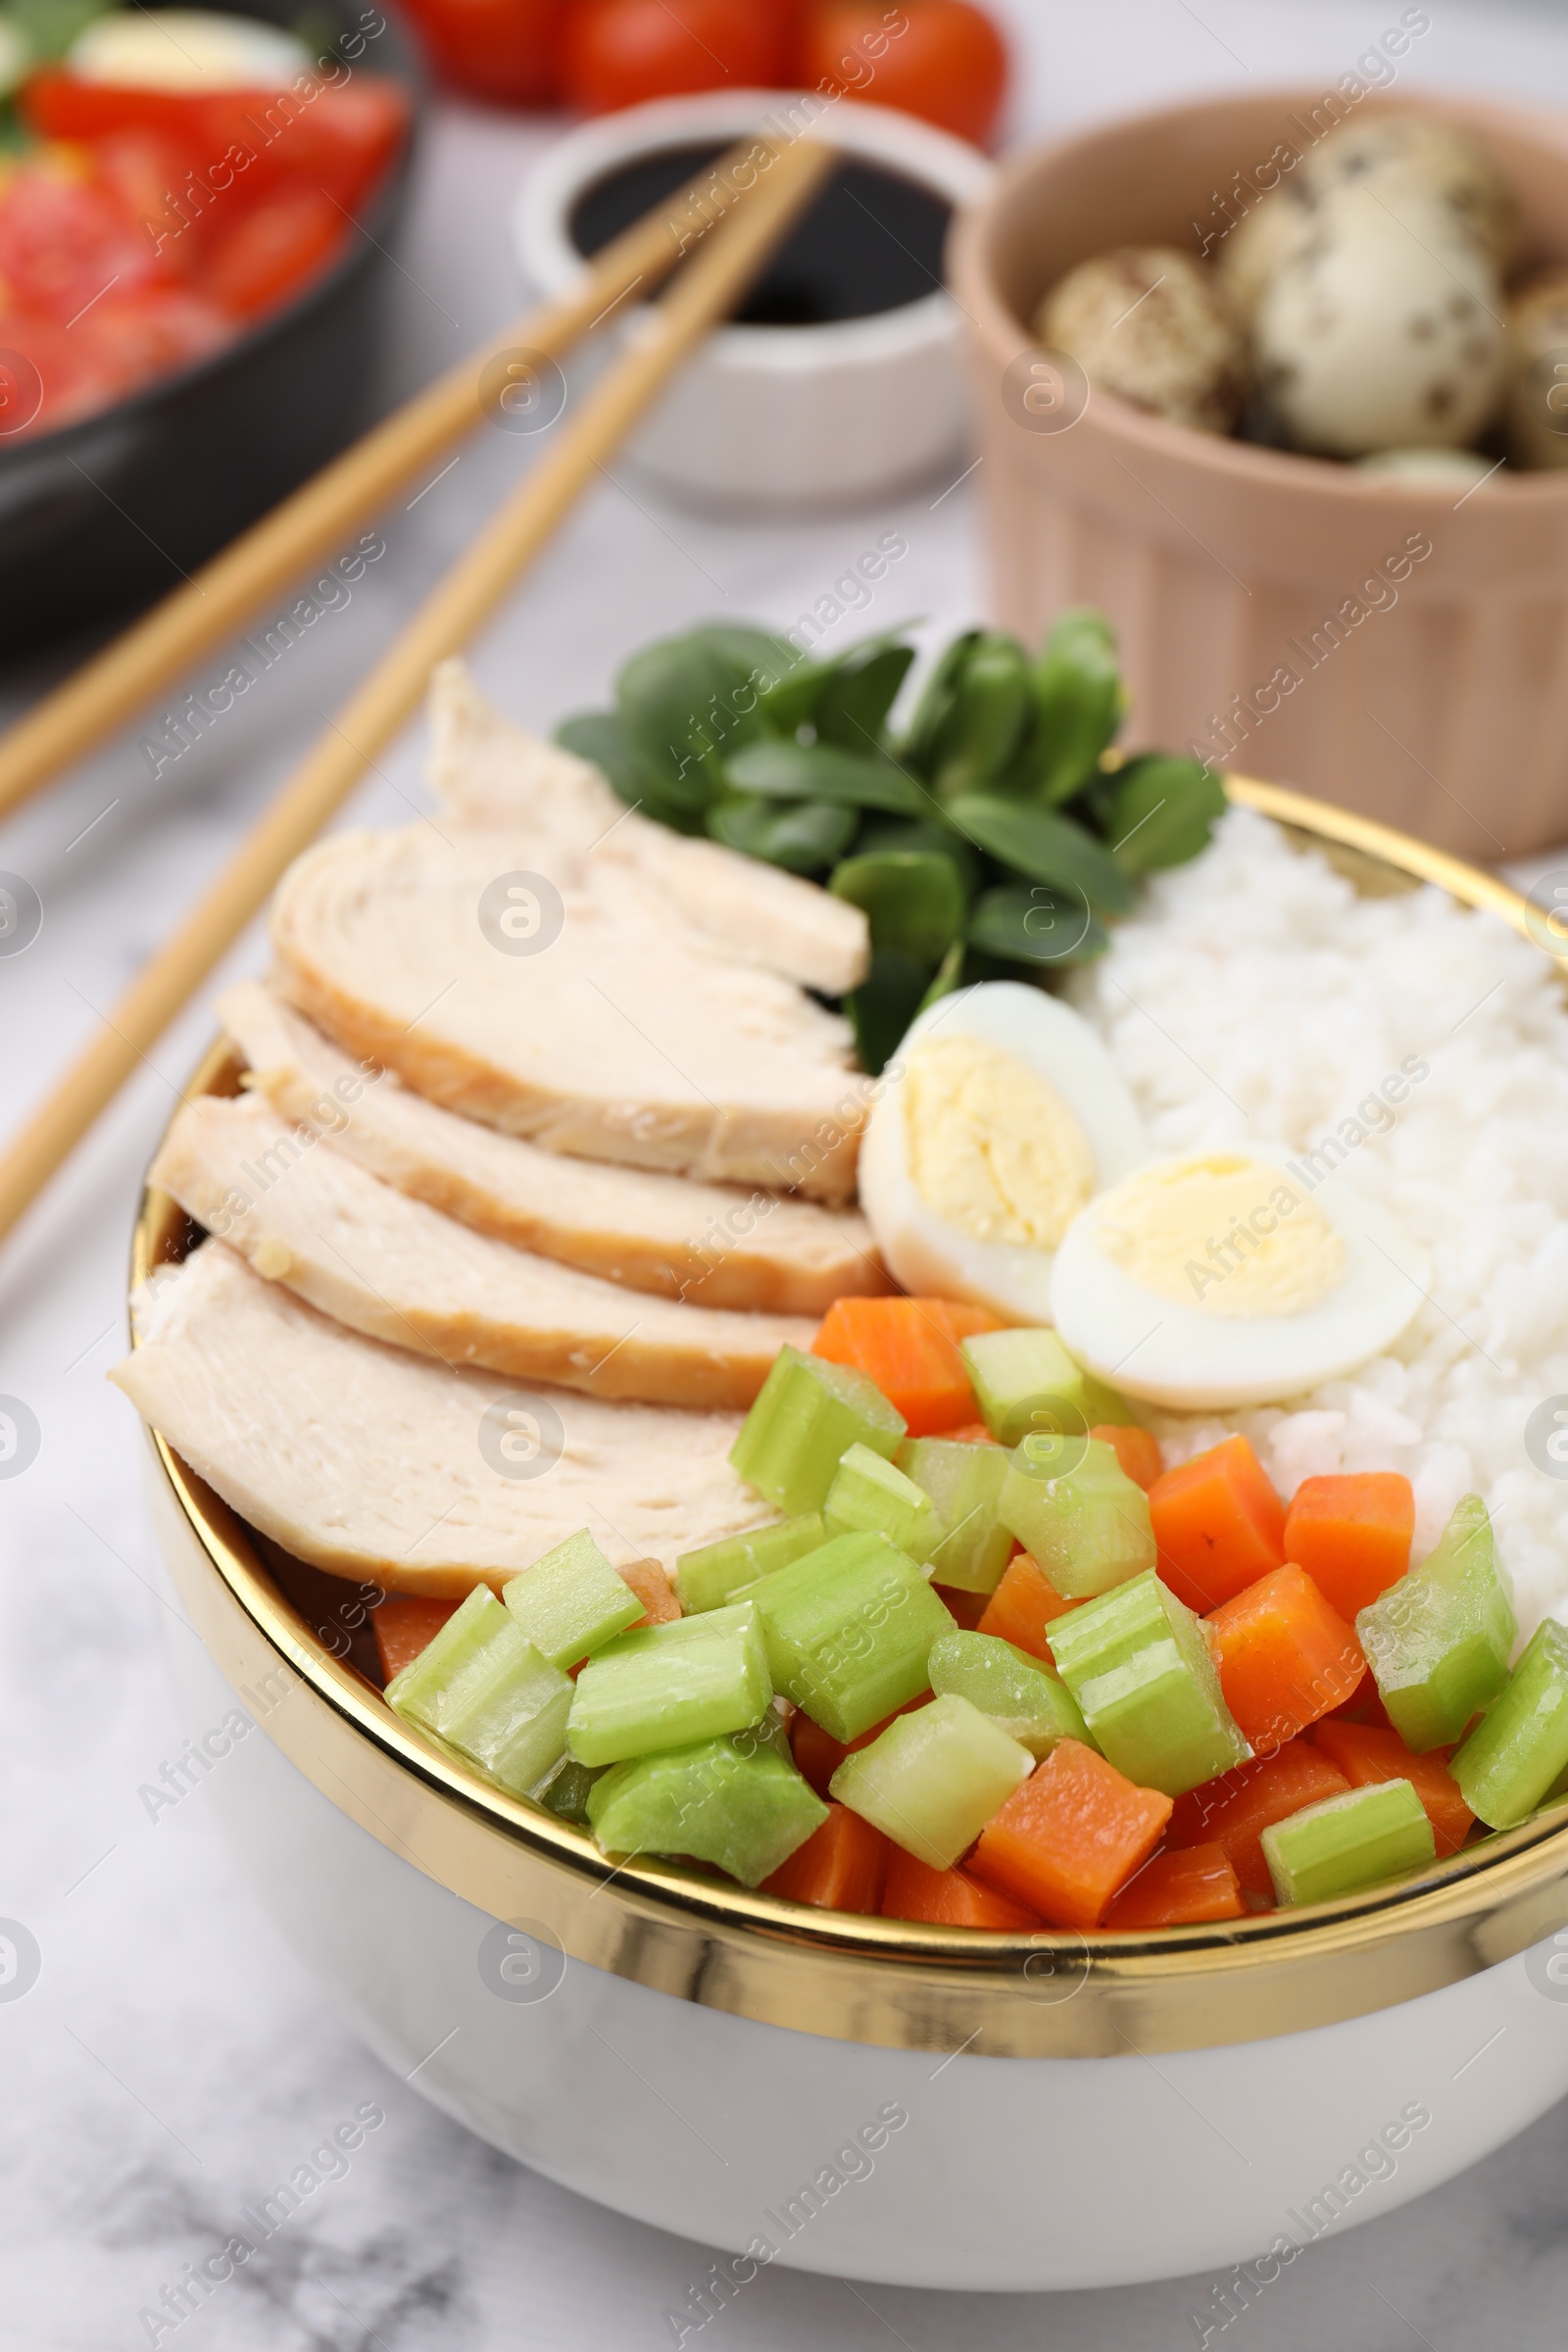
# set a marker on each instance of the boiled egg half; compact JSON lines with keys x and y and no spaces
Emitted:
{"x":1232,"y":1277}
{"x":186,"y":49}
{"x":999,"y":1117}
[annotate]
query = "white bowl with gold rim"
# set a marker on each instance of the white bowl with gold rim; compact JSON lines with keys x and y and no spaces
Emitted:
{"x":871,"y":2098}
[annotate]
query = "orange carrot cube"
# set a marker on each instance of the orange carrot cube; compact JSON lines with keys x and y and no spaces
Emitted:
{"x":404,"y":1624}
{"x":841,"y":1867}
{"x":1178,"y":1889}
{"x":1022,"y":1605}
{"x":947,"y":1898}
{"x":1070,"y":1836}
{"x":910,"y":1347}
{"x":1218,"y":1523}
{"x":1137,"y":1449}
{"x":1351,"y":1536}
{"x":1234,"y":1811}
{"x":1283,"y":1657}
{"x":1364,"y":1753}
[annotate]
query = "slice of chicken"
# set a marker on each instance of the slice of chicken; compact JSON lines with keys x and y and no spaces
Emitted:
{"x":373,"y":1463}
{"x":710,"y":1243}
{"x":397,"y":1270}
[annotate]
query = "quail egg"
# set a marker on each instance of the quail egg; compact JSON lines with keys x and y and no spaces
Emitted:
{"x":1153,"y":326}
{"x":1390,"y":154}
{"x":1537,"y":371}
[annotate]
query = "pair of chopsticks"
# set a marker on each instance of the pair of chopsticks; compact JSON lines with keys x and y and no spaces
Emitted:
{"x":752,"y":221}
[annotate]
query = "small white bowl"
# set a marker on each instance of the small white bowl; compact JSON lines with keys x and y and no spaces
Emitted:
{"x":779,"y":415}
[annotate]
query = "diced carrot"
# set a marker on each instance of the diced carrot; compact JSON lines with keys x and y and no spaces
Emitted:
{"x":404,"y":1624}
{"x":1024,"y":1605}
{"x":1351,"y":1536}
{"x":973,"y":1433}
{"x":947,"y":1898}
{"x":965,"y":1608}
{"x":1070,"y":1836}
{"x":1137,"y":1449}
{"x":841,"y":1866}
{"x":910,"y":1347}
{"x":1234,"y":1811}
{"x":1283,"y":1657}
{"x":818,"y":1755}
{"x":1364,"y":1753}
{"x":1218,"y":1523}
{"x":1177,"y":1888}
{"x":1364,"y":1705}
{"x":653,"y":1590}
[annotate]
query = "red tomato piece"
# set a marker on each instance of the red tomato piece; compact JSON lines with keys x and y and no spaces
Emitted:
{"x":63,"y":241}
{"x":616,"y":53}
{"x":947,"y":63}
{"x":270,"y":250}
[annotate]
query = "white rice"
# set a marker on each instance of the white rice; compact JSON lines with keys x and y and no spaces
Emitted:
{"x":1255,"y":995}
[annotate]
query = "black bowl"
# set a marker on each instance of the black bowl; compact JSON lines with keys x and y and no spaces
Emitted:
{"x":111,"y":512}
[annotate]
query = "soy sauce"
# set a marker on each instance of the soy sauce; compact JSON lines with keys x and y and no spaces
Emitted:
{"x":872,"y":241}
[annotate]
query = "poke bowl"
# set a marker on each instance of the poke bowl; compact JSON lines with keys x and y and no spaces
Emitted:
{"x":882,"y":2098}
{"x":202,"y":422}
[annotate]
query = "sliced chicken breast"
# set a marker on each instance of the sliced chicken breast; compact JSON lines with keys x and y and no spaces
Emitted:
{"x":370,"y":1462}
{"x":397,"y":1270}
{"x":709,"y":1243}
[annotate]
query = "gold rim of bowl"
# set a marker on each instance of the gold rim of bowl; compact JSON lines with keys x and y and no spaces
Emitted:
{"x":897,"y":1983}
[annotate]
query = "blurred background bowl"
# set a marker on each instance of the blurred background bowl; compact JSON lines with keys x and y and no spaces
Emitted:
{"x":108,"y":513}
{"x":795,"y":404}
{"x":1443,"y":713}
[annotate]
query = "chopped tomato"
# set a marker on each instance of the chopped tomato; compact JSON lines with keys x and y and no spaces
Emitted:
{"x":270,"y":250}
{"x":63,"y":241}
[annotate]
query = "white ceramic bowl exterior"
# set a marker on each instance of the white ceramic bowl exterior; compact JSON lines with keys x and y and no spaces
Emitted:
{"x":779,"y":415}
{"x":1004,"y":2173}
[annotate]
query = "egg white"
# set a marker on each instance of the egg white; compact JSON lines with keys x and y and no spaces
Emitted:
{"x":194,"y":49}
{"x":927,"y":1254}
{"x":1164,"y":1352}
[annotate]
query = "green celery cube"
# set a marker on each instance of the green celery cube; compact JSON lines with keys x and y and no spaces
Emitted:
{"x":1139,"y":1664}
{"x":739,"y":1804}
{"x":1078,"y":1515}
{"x":807,"y":1416}
{"x":848,"y":1630}
{"x":1512,"y":1760}
{"x":933,"y":1779}
{"x":514,"y":1728}
{"x":670,"y":1685}
{"x":720,"y":1572}
{"x":1347,"y":1843}
{"x":571,"y":1601}
{"x":566,"y":1792}
{"x":1026,"y":1381}
{"x":963,"y":1481}
{"x":458,"y":1661}
{"x":869,"y":1497}
{"x":1439,"y":1641}
{"x":1018,"y":1694}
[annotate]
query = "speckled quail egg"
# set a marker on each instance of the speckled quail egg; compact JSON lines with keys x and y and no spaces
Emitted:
{"x":1252,"y":254}
{"x":1384,"y":332}
{"x":1390,"y":153}
{"x":1153,"y":326}
{"x":1537,"y":371}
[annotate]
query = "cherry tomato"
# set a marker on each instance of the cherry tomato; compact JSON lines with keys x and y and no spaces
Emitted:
{"x":943,"y":60}
{"x":616,"y":53}
{"x":63,"y":241}
{"x":499,"y":49}
{"x":270,"y":250}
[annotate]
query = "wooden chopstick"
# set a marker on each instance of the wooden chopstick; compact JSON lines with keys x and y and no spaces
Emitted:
{"x":704,"y":293}
{"x":314,"y":521}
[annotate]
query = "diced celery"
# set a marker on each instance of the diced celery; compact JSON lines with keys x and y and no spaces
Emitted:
{"x":848,"y":1631}
{"x":720,"y":1572}
{"x":1139,"y":1665}
{"x":933,"y":1779}
{"x":973,"y":1546}
{"x":484,"y":1689}
{"x":566,"y":1792}
{"x":1077,"y":1513}
{"x":571,"y":1601}
{"x":869,"y":1497}
{"x":1026,"y":1381}
{"x":1347,"y":1843}
{"x":1512,"y":1760}
{"x":738,"y":1803}
{"x":1018,"y":1694}
{"x":670,"y":1685}
{"x":514,"y":1728}
{"x":457,"y":1662}
{"x":1439,"y":1641}
{"x":807,"y":1416}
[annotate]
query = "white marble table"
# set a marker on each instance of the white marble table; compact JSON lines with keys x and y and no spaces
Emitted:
{"x":172,"y":2060}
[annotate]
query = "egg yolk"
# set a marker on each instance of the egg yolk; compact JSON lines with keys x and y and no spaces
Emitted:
{"x":1223,"y":1233}
{"x":994,"y":1150}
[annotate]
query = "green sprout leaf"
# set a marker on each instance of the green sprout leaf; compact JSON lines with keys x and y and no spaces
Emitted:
{"x":1161,"y":810}
{"x":1046,"y":846}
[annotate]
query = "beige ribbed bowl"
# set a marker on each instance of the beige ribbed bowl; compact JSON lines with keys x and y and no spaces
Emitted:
{"x":1228,"y":568}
